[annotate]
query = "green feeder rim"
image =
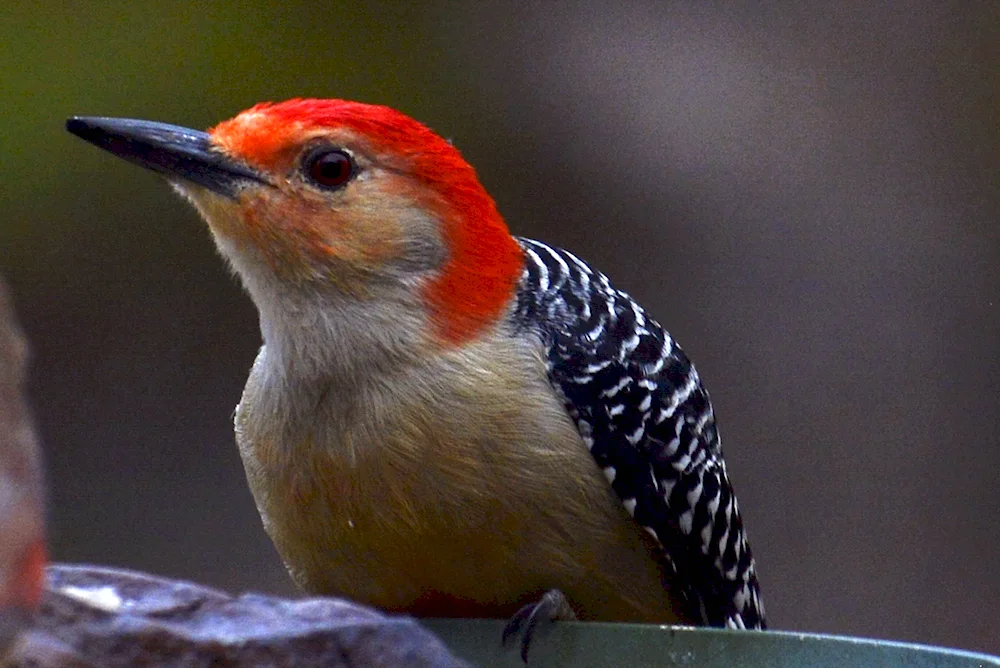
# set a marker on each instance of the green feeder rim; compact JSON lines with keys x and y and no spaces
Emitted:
{"x":585,"y":644}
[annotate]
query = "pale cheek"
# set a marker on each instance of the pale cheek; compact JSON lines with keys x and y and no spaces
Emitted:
{"x":373,"y":239}
{"x":290,"y":232}
{"x":389,"y":226}
{"x":353,"y":229}
{"x":300,"y":232}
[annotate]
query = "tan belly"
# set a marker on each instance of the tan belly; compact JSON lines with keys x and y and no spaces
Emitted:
{"x":466,"y":509}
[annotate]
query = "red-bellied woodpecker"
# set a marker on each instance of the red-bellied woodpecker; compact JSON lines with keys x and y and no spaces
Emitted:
{"x":446,"y":419}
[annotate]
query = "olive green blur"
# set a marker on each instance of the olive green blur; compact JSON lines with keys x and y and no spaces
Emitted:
{"x":805,"y":195}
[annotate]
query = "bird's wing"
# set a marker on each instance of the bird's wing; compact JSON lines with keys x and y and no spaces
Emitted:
{"x":643,"y":412}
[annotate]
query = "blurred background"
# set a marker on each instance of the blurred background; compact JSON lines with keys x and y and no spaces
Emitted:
{"x":805,"y":194}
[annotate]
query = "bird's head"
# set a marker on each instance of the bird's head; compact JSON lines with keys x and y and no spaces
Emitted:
{"x":339,"y":200}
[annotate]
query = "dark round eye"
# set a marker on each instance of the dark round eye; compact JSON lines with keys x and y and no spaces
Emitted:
{"x":330,"y":169}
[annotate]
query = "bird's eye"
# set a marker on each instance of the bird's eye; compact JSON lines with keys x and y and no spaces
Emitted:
{"x":330,"y":169}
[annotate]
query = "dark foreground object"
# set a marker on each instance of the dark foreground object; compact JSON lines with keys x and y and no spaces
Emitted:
{"x":594,"y":644}
{"x":22,"y":546}
{"x":93,"y":616}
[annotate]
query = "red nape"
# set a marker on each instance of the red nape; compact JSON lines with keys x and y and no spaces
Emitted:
{"x":478,"y":281}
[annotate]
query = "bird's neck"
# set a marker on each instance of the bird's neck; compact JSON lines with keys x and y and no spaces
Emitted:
{"x":313,"y":332}
{"x":327,"y":336}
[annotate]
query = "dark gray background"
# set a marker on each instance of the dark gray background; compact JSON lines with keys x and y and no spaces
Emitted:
{"x":804,"y":193}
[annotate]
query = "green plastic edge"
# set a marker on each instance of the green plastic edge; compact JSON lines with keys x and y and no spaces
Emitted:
{"x":583,"y":644}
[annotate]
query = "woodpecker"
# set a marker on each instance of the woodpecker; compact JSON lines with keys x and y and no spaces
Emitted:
{"x":445,"y":419}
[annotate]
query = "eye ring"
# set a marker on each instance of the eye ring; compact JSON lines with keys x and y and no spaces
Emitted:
{"x":330,"y":168}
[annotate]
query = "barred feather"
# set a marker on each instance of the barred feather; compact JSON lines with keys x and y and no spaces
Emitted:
{"x":642,"y":411}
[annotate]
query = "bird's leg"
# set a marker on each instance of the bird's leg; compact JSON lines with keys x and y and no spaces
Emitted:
{"x":553,"y":606}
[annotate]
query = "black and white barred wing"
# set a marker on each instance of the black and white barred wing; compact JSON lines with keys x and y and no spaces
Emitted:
{"x":643,"y":412}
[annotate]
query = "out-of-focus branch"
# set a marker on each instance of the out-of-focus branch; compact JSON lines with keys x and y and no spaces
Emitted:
{"x":22,"y":546}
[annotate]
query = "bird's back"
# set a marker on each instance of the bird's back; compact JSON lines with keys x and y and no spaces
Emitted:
{"x":646,"y":418}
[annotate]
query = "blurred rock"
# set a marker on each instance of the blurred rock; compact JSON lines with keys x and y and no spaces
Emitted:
{"x":94,"y":616}
{"x":22,"y":547}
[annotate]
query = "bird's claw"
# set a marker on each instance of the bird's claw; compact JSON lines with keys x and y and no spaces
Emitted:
{"x":552,"y":606}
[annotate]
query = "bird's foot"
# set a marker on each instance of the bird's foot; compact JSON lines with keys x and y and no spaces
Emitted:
{"x":553,"y":606}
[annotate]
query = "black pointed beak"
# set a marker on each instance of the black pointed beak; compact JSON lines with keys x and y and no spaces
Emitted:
{"x":174,"y":151}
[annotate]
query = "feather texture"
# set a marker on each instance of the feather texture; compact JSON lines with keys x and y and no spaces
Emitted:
{"x":642,"y":411}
